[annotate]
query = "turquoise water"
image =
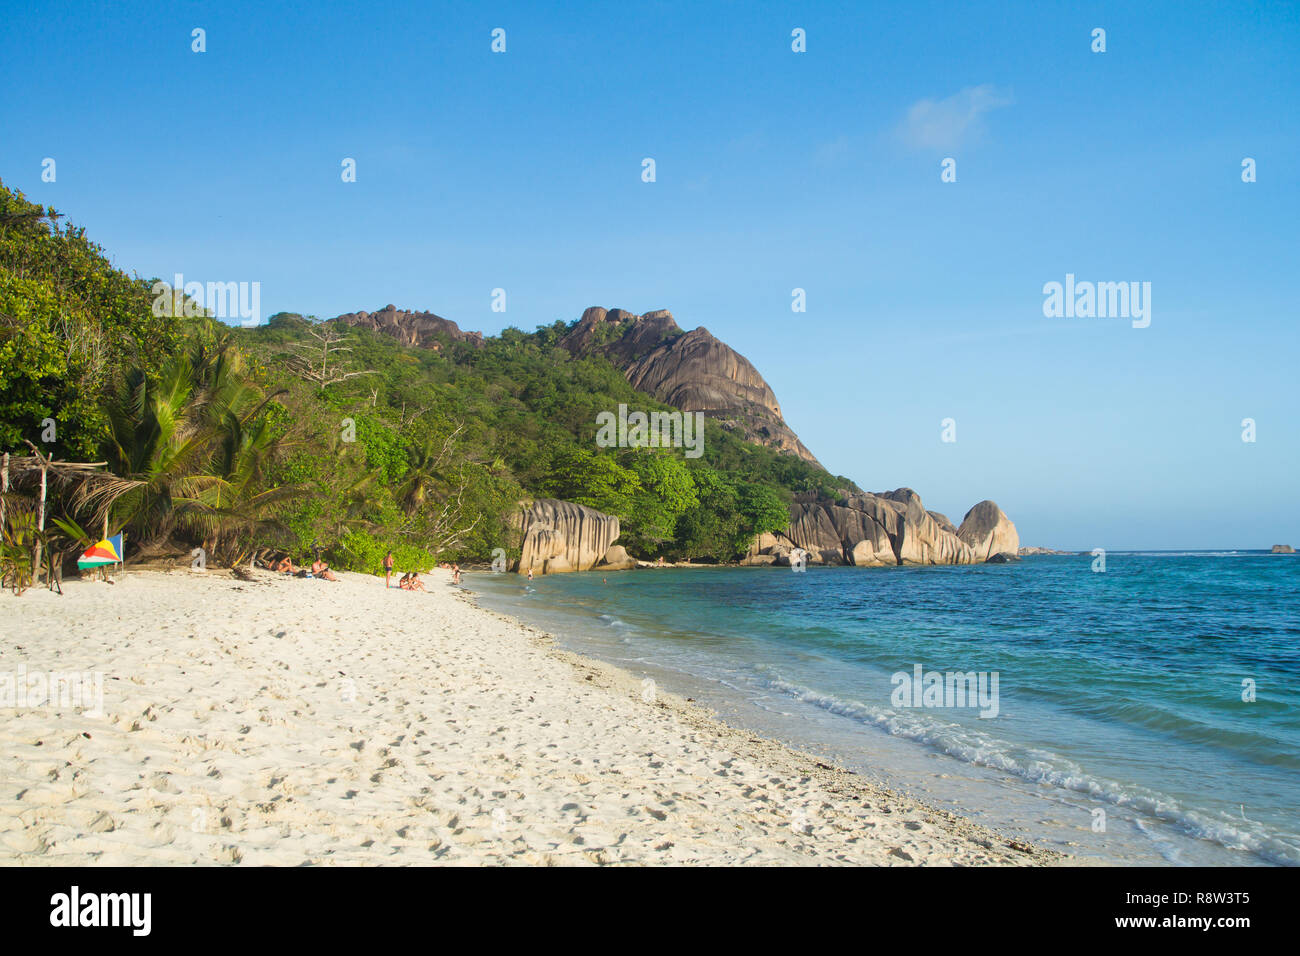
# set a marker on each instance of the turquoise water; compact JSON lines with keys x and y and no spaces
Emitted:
{"x":1120,"y":733}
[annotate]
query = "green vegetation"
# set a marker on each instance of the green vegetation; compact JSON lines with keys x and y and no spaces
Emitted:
{"x":69,"y":325}
{"x":300,"y":435}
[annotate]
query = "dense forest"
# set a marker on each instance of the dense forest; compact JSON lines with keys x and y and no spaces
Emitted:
{"x":299,"y":435}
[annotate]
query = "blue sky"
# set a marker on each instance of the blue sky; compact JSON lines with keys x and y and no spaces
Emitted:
{"x":775,"y":170}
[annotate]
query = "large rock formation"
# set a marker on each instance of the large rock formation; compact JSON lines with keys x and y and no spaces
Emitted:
{"x":617,"y":559}
{"x":887,"y":528}
{"x":988,"y":531}
{"x":691,"y":370}
{"x":420,"y":329}
{"x":562,"y":536}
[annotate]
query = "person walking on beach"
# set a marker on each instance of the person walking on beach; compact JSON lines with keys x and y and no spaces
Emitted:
{"x":388,"y":568}
{"x":455,"y":574}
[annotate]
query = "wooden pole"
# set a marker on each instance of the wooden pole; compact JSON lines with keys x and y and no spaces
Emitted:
{"x":40,"y":520}
{"x":4,"y":487}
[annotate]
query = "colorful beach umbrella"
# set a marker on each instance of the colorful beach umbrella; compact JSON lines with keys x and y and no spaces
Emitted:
{"x":108,"y":551}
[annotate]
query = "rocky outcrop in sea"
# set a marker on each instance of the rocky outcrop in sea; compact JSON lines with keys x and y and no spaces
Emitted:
{"x":560,"y":536}
{"x":887,"y":528}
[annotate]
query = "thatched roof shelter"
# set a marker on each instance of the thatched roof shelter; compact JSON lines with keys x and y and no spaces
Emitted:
{"x":91,"y":487}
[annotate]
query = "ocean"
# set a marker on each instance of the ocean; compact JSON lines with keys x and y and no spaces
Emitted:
{"x":1147,"y":714}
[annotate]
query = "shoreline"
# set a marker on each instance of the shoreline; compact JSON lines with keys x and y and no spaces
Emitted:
{"x":563,"y":760}
{"x":1034,"y":552}
{"x":778,"y":756}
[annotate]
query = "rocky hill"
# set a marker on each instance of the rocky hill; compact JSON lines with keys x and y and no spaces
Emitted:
{"x":692,"y":370}
{"x":420,"y":329}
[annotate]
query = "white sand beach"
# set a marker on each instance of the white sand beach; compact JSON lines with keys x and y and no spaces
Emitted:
{"x":284,"y":721}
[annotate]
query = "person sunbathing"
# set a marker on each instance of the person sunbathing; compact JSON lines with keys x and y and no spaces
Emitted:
{"x":319,"y":569}
{"x":416,"y":583}
{"x":284,"y":566}
{"x":405,"y":583}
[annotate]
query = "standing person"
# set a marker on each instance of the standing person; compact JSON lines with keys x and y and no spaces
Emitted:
{"x":455,"y":574}
{"x":530,"y":574}
{"x":388,"y":568}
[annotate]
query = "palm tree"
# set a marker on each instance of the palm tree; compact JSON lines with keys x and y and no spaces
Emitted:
{"x":426,"y":473}
{"x":233,"y":507}
{"x":156,"y":437}
{"x":199,"y":443}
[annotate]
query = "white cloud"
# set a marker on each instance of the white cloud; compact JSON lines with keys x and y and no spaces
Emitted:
{"x":948,"y":123}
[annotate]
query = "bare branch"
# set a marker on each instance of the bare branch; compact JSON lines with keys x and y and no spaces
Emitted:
{"x":314,"y":363}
